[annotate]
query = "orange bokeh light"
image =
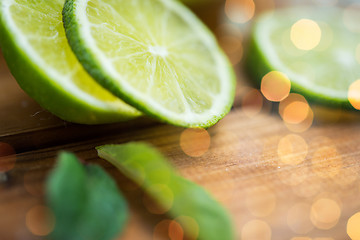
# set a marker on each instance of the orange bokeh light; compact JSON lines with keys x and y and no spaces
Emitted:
{"x":354,"y":94}
{"x":176,"y":232}
{"x":170,"y":229}
{"x":40,"y":220}
{"x":293,"y":97}
{"x":296,"y":113}
{"x":352,"y":227}
{"x":161,"y":230}
{"x":275,"y":86}
{"x":240,"y":11}
{"x":195,"y":141}
{"x":325,"y":213}
{"x":190,"y":226}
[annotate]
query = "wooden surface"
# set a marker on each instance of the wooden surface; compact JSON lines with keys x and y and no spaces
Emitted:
{"x":266,"y":197}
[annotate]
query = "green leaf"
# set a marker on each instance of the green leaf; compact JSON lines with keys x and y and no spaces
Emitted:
{"x":85,"y":201}
{"x":188,"y":203}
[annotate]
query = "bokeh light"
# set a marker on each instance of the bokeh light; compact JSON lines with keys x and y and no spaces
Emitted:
{"x":296,"y":113}
{"x":256,"y":229}
{"x":7,"y":157}
{"x":351,"y":17}
{"x":353,"y":226}
{"x":325,"y":213}
{"x":275,"y":86}
{"x":190,"y":225}
{"x":195,"y":141}
{"x":176,"y":232}
{"x":298,"y":218}
{"x":161,"y":230}
{"x":261,"y":201}
{"x":166,"y":195}
{"x":292,"y":149}
{"x":326,"y":162}
{"x":40,"y":220}
{"x":240,"y":11}
{"x":252,"y":102}
{"x":354,"y":94}
{"x":303,"y":126}
{"x":293,"y":97}
{"x":305,"y":34}
{"x":170,"y":229}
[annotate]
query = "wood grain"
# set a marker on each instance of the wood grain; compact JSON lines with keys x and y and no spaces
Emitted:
{"x":267,"y":198}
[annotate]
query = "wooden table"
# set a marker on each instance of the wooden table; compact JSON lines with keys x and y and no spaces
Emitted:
{"x":268,"y":194}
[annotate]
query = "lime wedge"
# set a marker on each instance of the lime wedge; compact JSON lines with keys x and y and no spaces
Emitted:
{"x":33,"y":42}
{"x":313,"y":47}
{"x":155,"y":55}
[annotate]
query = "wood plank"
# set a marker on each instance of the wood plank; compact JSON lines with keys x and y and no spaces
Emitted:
{"x":241,"y":169}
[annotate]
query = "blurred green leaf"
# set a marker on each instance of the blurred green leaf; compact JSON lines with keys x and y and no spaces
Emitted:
{"x":187,"y":203}
{"x":85,"y":201}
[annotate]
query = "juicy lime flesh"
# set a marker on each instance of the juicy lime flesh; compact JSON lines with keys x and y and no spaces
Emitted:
{"x":160,"y":57}
{"x":41,"y":24}
{"x":327,"y":69}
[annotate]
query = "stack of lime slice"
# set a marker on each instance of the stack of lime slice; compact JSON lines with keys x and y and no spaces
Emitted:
{"x":153,"y":55}
{"x":34,"y":44}
{"x":314,"y":47}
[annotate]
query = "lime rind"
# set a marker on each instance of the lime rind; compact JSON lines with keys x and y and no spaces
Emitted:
{"x":257,"y":66}
{"x":84,"y":46}
{"x":47,"y":87}
{"x":263,"y":56}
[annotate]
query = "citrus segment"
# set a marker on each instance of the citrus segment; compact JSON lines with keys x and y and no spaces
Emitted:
{"x":34,"y":44}
{"x":156,"y":55}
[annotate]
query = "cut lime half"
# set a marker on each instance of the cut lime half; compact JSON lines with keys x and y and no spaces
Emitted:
{"x":155,"y":55}
{"x":313,"y":47}
{"x":34,"y":45}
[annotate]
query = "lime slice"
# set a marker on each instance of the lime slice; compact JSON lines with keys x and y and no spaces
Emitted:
{"x":33,"y":42}
{"x":312,"y":47}
{"x":155,"y":55}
